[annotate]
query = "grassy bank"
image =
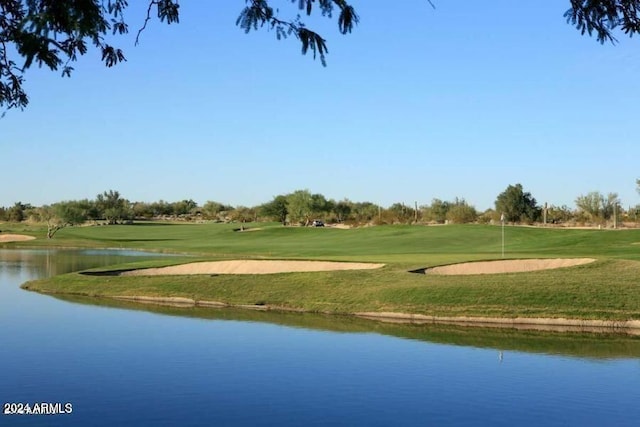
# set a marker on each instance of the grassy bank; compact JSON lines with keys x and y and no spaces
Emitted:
{"x":607,"y":289}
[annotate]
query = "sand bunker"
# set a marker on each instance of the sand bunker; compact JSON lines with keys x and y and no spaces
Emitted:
{"x":6,"y":238}
{"x":507,"y":266}
{"x":250,"y":267}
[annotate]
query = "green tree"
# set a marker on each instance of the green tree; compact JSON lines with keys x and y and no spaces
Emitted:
{"x":72,"y":212}
{"x":213,"y":210}
{"x":487,"y":216}
{"x":56,"y":33}
{"x":437,"y":211}
{"x":597,"y":206}
{"x":184,"y":207}
{"x":300,"y":207}
{"x":18,"y":212}
{"x":399,"y":213}
{"x":142,"y":210}
{"x":277,"y":209}
{"x":590,"y":204}
{"x":559,"y":214}
{"x":242,"y":214}
{"x":342,"y":209}
{"x":161,"y":208}
{"x":610,"y":206}
{"x":460,"y":212}
{"x":517,"y":205}
{"x":63,"y":214}
{"x":113,"y":207}
{"x":365,"y":212}
{"x":88,"y":208}
{"x":320,"y":206}
{"x":48,"y":215}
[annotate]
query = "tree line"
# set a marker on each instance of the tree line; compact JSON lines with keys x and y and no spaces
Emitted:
{"x":301,"y":207}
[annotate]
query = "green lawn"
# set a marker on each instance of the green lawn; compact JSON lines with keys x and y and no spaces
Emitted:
{"x":606,"y":289}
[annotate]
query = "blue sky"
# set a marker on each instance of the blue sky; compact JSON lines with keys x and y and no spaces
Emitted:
{"x":416,"y":104}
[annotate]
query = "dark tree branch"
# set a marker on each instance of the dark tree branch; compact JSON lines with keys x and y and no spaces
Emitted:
{"x":56,"y":32}
{"x":258,"y":13}
{"x":146,"y":20}
{"x":603,"y":17}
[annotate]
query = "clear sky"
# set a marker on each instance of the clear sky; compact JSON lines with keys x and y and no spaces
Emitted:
{"x":416,"y":104}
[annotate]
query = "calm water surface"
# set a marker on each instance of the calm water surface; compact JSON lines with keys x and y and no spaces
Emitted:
{"x":169,"y":366}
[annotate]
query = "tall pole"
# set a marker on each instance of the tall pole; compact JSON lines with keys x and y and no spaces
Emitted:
{"x":502,"y":220}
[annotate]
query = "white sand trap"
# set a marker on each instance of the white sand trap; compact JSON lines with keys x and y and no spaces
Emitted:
{"x":6,"y":238}
{"x":250,"y":267}
{"x":507,"y":266}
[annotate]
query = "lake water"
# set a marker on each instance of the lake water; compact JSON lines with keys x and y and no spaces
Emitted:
{"x":122,"y":364}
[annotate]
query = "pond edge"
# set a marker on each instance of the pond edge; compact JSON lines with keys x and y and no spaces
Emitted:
{"x":630,"y":327}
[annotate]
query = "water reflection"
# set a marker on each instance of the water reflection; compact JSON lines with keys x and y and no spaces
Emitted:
{"x":51,"y":262}
{"x":22,"y":265}
{"x":122,"y":363}
{"x":582,"y":345}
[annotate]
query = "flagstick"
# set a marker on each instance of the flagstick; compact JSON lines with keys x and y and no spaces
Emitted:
{"x":502,"y":220}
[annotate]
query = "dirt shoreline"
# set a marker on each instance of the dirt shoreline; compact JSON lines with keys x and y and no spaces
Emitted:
{"x":629,"y":327}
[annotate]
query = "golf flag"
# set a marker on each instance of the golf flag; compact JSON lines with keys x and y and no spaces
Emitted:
{"x":502,"y":217}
